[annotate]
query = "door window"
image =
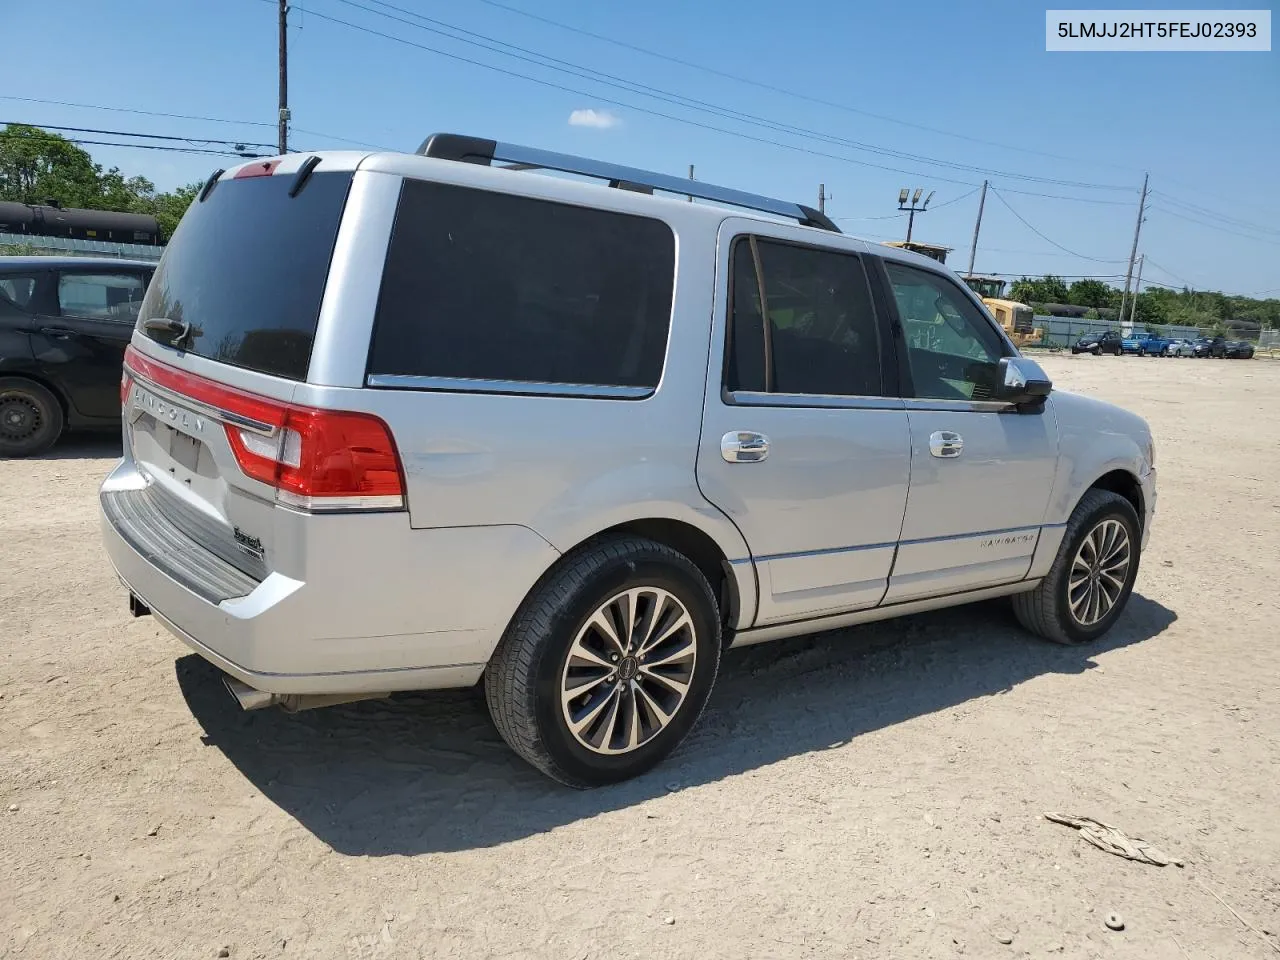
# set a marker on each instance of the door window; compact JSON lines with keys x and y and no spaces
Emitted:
{"x":821,"y":336}
{"x":16,"y":292}
{"x":101,"y":296}
{"x":953,"y":349}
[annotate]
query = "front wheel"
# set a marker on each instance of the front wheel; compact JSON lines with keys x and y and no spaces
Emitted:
{"x":1087,"y":587}
{"x":608,"y":663}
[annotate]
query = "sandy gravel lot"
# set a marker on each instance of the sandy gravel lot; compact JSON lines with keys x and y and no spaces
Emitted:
{"x":873,"y":793}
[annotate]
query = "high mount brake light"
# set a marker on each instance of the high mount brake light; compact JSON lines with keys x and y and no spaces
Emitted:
{"x":316,"y":459}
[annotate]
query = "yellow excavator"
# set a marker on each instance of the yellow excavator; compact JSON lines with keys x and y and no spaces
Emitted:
{"x":1018,"y":319}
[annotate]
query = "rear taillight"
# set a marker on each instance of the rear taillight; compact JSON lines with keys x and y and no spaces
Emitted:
{"x":316,"y":459}
{"x":126,"y":381}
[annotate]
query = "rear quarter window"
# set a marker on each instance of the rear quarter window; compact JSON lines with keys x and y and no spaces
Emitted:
{"x":493,"y":287}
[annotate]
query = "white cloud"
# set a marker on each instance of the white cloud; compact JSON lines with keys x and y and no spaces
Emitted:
{"x":600,"y":119}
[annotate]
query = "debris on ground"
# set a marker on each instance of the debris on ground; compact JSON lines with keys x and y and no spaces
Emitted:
{"x":1112,"y":840}
{"x":1114,"y":921}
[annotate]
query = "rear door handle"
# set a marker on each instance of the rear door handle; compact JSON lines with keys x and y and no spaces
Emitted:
{"x":744,"y":446}
{"x":945,"y":444}
{"x":58,"y":333}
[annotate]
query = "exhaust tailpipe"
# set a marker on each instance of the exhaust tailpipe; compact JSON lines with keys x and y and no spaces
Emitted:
{"x":251,"y":698}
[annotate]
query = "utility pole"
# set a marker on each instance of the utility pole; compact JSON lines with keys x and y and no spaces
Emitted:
{"x":823,"y":197}
{"x":1137,"y":287}
{"x":973,"y":250}
{"x":691,"y":177}
{"x":1133,"y":253}
{"x":284,"y":77}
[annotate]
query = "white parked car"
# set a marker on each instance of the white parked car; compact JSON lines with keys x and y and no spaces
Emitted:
{"x":1180,"y":348}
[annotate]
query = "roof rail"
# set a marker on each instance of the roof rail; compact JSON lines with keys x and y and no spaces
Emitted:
{"x":453,"y":146}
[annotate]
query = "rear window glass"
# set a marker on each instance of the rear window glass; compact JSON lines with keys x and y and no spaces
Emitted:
{"x":489,"y":286}
{"x":246,"y":269}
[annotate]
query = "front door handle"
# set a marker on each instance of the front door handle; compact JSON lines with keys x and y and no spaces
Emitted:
{"x":744,"y":446}
{"x":945,"y":444}
{"x":58,"y":333}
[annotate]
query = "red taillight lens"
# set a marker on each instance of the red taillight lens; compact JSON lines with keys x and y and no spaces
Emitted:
{"x":318,"y":459}
{"x":125,"y":382}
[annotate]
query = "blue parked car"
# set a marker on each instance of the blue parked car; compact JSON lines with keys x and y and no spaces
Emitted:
{"x":1146,"y":343}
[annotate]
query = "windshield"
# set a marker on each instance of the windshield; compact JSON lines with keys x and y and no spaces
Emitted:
{"x":246,"y":269}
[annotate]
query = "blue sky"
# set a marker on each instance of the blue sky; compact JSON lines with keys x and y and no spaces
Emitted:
{"x":904,"y":83}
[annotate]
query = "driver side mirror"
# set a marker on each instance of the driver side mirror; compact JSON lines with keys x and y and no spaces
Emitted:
{"x":1022,"y":382}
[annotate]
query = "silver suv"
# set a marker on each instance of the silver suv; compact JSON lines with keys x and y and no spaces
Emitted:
{"x":400,"y":422}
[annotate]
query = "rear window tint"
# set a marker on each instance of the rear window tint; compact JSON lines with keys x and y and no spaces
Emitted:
{"x":489,"y":286}
{"x":246,"y":269}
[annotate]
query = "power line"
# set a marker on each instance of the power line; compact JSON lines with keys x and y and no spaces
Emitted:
{"x":1183,"y":280}
{"x":184,"y":116}
{"x":544,"y":61}
{"x":152,"y":146}
{"x":1215,"y":226}
{"x":787,"y":92}
{"x":1056,"y":196}
{"x":1215,"y":215}
{"x":127,"y":133}
{"x":1047,"y":239}
{"x":620,"y":103}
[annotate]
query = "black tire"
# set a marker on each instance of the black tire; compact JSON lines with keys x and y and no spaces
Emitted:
{"x":1142,"y":351}
{"x":1097,"y":351}
{"x":1075,"y":350}
{"x":1045,"y":611}
{"x":30,"y":418}
{"x":522,"y":680}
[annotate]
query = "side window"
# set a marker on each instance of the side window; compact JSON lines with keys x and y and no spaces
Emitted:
{"x":821,"y":335}
{"x":101,"y":296}
{"x":953,"y":350}
{"x":16,"y":292}
{"x":489,"y":286}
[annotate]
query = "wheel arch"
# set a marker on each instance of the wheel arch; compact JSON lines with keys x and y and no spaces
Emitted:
{"x":732,"y":582}
{"x":1124,"y":482}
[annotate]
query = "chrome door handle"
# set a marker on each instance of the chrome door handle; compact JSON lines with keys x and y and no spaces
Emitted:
{"x":944,"y":443}
{"x":744,"y":446}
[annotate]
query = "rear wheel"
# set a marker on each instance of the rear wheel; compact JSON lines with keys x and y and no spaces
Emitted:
{"x":1091,"y":579}
{"x":608,"y":664}
{"x":30,"y":418}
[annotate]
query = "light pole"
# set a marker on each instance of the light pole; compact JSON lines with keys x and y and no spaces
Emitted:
{"x":914,"y":207}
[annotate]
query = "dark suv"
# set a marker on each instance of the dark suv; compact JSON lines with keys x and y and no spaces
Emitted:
{"x":1108,"y":341}
{"x":64,"y":326}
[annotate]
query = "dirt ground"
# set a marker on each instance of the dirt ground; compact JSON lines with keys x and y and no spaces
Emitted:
{"x":872,"y":793}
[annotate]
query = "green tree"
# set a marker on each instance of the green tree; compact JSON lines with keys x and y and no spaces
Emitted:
{"x":168,"y":208}
{"x":1093,"y":293}
{"x":36,"y":166}
{"x":1048,"y":289}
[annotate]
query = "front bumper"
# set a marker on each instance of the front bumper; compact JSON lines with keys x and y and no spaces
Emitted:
{"x":1148,"y":503}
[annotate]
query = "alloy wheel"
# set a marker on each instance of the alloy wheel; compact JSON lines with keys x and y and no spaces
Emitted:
{"x":628,"y":671}
{"x":1099,"y":572}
